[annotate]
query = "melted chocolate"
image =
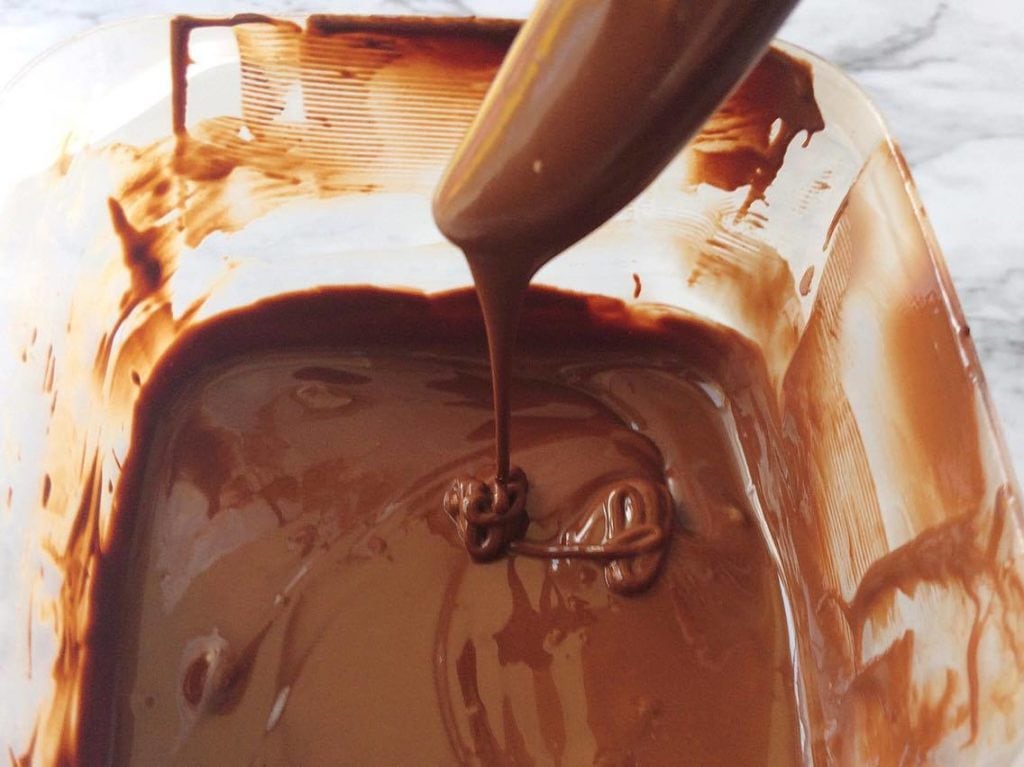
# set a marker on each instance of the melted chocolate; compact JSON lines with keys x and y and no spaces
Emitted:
{"x":295,"y":593}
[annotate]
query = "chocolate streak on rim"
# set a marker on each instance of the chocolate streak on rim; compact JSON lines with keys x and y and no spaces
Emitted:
{"x":413,"y":26}
{"x":181,"y":31}
{"x":503,"y":30}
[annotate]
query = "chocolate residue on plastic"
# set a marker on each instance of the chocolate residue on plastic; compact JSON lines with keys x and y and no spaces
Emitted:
{"x":181,"y":31}
{"x":860,"y":573}
{"x":744,"y":144}
{"x":145,"y":267}
{"x":805,"y":281}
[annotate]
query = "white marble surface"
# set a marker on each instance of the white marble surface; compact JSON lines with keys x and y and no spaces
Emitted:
{"x":947,"y":74}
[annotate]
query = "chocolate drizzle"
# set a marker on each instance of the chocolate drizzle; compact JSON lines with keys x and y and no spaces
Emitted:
{"x":568,"y":136}
{"x":489,"y":516}
{"x":627,"y":533}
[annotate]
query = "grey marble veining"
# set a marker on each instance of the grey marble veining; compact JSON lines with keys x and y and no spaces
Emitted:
{"x":948,"y":76}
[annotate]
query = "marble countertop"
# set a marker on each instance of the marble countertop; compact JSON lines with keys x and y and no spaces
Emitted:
{"x":948,"y":76}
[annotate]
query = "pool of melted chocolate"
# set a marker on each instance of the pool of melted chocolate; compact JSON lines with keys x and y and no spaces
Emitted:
{"x":288,"y":584}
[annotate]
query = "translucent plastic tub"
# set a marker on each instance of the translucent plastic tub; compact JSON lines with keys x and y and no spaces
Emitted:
{"x":909,"y":499}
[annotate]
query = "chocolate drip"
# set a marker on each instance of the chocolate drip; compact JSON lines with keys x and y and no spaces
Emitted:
{"x":594,"y":99}
{"x":491,"y":515}
{"x":628,"y":533}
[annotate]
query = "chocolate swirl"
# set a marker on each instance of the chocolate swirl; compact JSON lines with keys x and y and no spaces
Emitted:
{"x":628,"y":532}
{"x":489,"y":516}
